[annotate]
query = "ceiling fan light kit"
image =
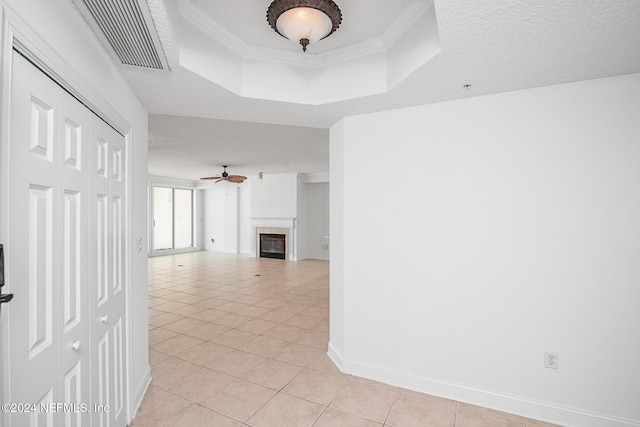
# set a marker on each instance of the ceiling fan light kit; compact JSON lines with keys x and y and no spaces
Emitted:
{"x":238,"y":179}
{"x":304,"y":21}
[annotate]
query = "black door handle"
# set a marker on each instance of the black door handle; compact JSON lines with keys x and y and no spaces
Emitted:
{"x":5,"y":298}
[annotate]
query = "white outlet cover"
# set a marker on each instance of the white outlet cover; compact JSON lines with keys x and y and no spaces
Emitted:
{"x":551,"y":360}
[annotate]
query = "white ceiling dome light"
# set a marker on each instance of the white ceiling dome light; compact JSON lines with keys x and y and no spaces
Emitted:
{"x":304,"y":21}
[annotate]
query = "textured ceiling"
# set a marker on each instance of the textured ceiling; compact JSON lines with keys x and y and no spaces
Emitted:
{"x":494,"y":46}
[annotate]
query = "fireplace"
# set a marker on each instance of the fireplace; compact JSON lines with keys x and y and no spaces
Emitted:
{"x":282,"y":226}
{"x":273,"y":245}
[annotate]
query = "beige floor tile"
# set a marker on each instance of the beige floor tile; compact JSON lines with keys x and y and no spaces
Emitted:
{"x":176,"y":344}
{"x":315,"y":339}
{"x":184,"y":324}
{"x":200,"y":385}
{"x":153,"y":312}
{"x":316,"y":386}
{"x":476,"y":416}
{"x":232,"y":320}
{"x":264,"y":346}
{"x":156,"y":357}
{"x":297,"y":354}
{"x":302,"y":321}
{"x":207,"y":331}
{"x":293,"y":307}
{"x":203,"y":417}
{"x":277,"y":316}
{"x":203,"y":354}
{"x":160,"y":292}
{"x":192,"y":299}
{"x":366,"y":399}
{"x":209,"y":315}
{"x":334,"y":418}
{"x":232,"y":306}
{"x":286,"y":411}
{"x":254,"y":311}
{"x":171,"y":306}
{"x":239,"y":400}
{"x":155,"y":302}
{"x":321,"y":312}
{"x":273,"y":374}
{"x":324,"y":364}
{"x":189,"y":310}
{"x":211,"y":303}
{"x":269,"y":303}
{"x":285,"y":332}
{"x":230,"y":295}
{"x":236,"y":363}
{"x":161,"y":409}
{"x":420,"y":409}
{"x":249,"y":299}
{"x":169,"y":371}
{"x":257,"y":326}
{"x":234,"y":338}
{"x":163,"y":319}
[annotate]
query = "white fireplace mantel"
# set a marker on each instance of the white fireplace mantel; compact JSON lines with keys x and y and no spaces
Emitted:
{"x":273,"y":222}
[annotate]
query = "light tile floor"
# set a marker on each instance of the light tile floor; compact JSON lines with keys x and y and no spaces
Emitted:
{"x":240,"y":341}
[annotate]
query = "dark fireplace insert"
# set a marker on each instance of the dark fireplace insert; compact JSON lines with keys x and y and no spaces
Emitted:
{"x":273,"y":246}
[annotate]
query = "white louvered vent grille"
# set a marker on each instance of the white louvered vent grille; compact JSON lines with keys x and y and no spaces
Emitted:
{"x":124,"y":27}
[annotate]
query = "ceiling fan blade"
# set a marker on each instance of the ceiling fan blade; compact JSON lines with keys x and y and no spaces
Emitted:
{"x":236,"y":178}
{"x":218,"y":180}
{"x":211,"y":177}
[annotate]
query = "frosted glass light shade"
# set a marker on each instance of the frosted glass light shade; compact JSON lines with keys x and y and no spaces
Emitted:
{"x":304,"y":23}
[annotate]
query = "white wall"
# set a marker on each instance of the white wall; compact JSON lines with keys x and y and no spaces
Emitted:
{"x":245,"y":235}
{"x":274,"y":196}
{"x":61,"y":38}
{"x":316,"y":220}
{"x":513,"y":231}
{"x":301,"y":222}
{"x":221,"y":219}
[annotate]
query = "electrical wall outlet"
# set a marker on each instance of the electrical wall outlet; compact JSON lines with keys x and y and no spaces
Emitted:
{"x":551,"y":360}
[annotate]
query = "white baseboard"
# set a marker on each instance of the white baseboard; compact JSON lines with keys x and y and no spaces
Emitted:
{"x":543,"y":411}
{"x":140,"y":391}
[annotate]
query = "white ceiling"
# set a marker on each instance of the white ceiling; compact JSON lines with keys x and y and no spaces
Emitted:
{"x":495,"y":46}
{"x":199,"y":146}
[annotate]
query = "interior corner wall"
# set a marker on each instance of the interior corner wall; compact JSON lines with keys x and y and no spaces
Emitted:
{"x":55,"y":27}
{"x":511,"y":230}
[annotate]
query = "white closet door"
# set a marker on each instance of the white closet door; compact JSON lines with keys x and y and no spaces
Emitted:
{"x":108,"y":193}
{"x":48,"y":248}
{"x":66,"y":252}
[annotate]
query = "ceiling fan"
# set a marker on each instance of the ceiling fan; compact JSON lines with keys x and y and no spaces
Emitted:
{"x":226,"y":177}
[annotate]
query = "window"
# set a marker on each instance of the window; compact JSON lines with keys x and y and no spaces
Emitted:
{"x":172,"y":218}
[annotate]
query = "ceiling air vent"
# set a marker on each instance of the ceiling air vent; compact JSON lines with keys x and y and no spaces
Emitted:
{"x":127,"y":31}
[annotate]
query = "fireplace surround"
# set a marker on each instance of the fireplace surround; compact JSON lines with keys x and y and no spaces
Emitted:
{"x":284,"y":226}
